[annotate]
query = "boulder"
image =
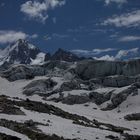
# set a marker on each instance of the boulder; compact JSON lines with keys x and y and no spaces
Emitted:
{"x":132,"y":117}
{"x":39,"y":87}
{"x":18,"y":72}
{"x":75,"y":99}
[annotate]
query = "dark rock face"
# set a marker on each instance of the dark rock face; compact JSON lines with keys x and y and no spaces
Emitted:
{"x":7,"y":108}
{"x":22,"y":52}
{"x":89,"y":69}
{"x":100,"y":98}
{"x":131,"y":137}
{"x":65,"y":56}
{"x":132,"y":117}
{"x":17,"y":73}
{"x":117,"y":99}
{"x":71,"y":85}
{"x":75,"y":99}
{"x":39,"y":87}
{"x":116,"y":81}
{"x":8,"y":137}
{"x":47,"y":57}
{"x":55,"y":63}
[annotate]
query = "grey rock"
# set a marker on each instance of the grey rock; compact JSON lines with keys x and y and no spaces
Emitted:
{"x":71,"y":85}
{"x":132,"y":117}
{"x":39,"y":87}
{"x":100,"y":98}
{"x":18,"y":72}
{"x":89,"y":69}
{"x":75,"y":99}
{"x":63,"y":55}
{"x":117,"y":99}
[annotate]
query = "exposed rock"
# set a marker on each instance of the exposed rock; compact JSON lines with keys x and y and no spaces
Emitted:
{"x":100,"y":98}
{"x":118,"y":98}
{"x":71,"y":85}
{"x":17,"y":73}
{"x":8,"y":137}
{"x":39,"y":87}
{"x":62,"y":55}
{"x":131,"y":137}
{"x":118,"y":81}
{"x":132,"y":117}
{"x":21,"y":52}
{"x":89,"y":69}
{"x":32,"y":134}
{"x":7,"y":108}
{"x":75,"y":99}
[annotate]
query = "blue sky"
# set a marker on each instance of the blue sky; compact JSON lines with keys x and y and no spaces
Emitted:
{"x":87,"y":27}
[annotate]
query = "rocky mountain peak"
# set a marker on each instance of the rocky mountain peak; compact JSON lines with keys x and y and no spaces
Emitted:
{"x":63,"y":55}
{"x":20,"y":52}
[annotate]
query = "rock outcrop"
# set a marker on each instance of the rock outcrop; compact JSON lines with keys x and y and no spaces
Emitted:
{"x":39,"y":87}
{"x":89,"y":69}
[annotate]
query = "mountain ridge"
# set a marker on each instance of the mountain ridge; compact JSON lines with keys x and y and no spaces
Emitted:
{"x":23,"y":52}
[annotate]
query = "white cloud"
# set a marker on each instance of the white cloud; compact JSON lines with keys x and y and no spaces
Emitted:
{"x":92,"y":52}
{"x":129,"y":38}
{"x":124,"y":53}
{"x":131,"y":19}
{"x":98,"y":51}
{"x":120,"y":2}
{"x":34,"y":36}
{"x":82,"y":52}
{"x":121,"y":54}
{"x":38,"y":10}
{"x":106,"y":57}
{"x":9,"y":36}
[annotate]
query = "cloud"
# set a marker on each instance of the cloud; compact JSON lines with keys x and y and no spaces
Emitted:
{"x":92,"y":52}
{"x":131,"y":19}
{"x":39,"y":10}
{"x":9,"y":36}
{"x":106,"y":57}
{"x":98,"y":51}
{"x":124,"y":53}
{"x":121,"y":54}
{"x":34,"y":36}
{"x":120,"y":2}
{"x":54,"y":20}
{"x":2,"y":4}
{"x":82,"y":52}
{"x":129,"y":38}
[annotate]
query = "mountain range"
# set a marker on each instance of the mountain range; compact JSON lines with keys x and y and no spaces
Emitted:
{"x":66,"y":97}
{"x":23,"y":52}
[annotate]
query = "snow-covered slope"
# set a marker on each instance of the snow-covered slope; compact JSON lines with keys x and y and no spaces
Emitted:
{"x":35,"y":118}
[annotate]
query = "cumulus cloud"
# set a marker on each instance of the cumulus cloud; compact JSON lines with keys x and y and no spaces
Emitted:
{"x":131,"y":19}
{"x":129,"y":38}
{"x":39,"y":10}
{"x":120,"y":2}
{"x":9,"y":36}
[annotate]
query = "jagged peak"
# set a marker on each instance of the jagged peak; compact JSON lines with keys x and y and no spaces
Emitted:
{"x":22,"y":43}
